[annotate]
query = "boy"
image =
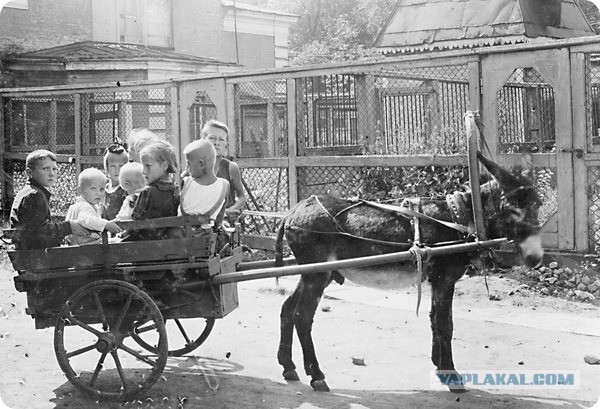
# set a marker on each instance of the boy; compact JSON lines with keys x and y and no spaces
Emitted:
{"x":132,"y":180}
{"x":85,"y":209}
{"x":30,"y":212}
{"x":203,"y":193}
{"x":115,"y":157}
{"x":218,"y":134}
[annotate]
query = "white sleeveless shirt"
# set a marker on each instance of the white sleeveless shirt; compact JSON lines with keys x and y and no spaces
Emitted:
{"x":200,"y":199}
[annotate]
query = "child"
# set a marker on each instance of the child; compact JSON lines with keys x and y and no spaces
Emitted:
{"x":115,"y":157}
{"x":218,"y":134}
{"x":203,"y":192}
{"x":160,"y":198}
{"x":138,"y":139}
{"x":132,"y":181}
{"x":30,"y":212}
{"x":91,"y":184}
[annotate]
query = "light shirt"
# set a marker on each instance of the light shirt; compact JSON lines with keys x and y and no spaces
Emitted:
{"x":127,"y":207}
{"x":200,"y":199}
{"x":88,"y":216}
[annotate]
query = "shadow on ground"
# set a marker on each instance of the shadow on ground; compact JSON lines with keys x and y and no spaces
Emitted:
{"x":198,"y":382}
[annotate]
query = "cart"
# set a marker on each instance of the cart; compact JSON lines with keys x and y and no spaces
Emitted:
{"x":113,"y":304}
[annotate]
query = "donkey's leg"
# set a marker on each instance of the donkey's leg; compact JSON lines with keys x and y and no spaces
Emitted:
{"x":312,"y":290}
{"x":284,"y":353}
{"x":442,"y":327}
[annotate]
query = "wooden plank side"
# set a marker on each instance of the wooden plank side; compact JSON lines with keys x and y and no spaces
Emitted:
{"x":559,"y":63}
{"x":98,"y":255}
{"x":292,"y":142}
{"x":581,"y":211}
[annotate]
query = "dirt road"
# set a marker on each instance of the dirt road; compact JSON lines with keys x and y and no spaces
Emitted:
{"x":237,"y":367}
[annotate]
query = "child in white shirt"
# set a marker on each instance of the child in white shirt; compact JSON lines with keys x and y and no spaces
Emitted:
{"x":85,"y":209}
{"x":203,"y":193}
{"x":132,"y":180}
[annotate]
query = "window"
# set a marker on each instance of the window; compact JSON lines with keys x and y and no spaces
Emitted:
{"x":146,"y":22}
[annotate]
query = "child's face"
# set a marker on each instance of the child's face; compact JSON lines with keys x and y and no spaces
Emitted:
{"x":114,"y":167}
{"x":218,"y":137}
{"x":194,"y":164}
{"x":153,"y":169}
{"x":93,"y":191}
{"x":44,"y":172}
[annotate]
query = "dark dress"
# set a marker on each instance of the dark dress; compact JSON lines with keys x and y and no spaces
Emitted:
{"x":111,"y":203}
{"x":159,"y":199}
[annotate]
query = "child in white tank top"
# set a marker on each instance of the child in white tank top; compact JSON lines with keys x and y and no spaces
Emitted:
{"x":202,"y":192}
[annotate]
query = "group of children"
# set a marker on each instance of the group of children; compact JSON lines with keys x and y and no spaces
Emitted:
{"x":135,"y":185}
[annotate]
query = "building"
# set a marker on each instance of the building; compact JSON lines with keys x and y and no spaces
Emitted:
{"x":422,"y":25}
{"x":71,"y":41}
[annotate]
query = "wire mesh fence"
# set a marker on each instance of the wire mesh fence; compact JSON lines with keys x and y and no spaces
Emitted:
{"x":592,"y":101}
{"x":526,"y":116}
{"x":261,"y":119}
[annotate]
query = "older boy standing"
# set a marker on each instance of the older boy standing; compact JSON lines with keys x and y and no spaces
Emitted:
{"x":218,"y":134}
{"x":30,"y":212}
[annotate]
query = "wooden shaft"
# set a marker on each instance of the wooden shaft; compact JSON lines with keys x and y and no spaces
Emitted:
{"x":426,"y":252}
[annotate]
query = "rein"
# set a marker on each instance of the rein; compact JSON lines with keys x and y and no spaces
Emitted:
{"x":457,"y":209}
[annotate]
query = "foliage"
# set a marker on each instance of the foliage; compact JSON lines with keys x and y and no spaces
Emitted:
{"x":334,"y":30}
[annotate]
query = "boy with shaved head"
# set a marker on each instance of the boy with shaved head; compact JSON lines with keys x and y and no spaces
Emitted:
{"x":203,"y":193}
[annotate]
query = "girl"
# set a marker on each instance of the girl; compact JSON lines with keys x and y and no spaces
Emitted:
{"x":161,"y":197}
{"x":115,"y":157}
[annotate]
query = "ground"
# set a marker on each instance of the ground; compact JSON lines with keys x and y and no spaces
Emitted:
{"x":237,"y":368}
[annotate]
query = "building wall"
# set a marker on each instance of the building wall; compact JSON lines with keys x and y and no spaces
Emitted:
{"x":200,"y":31}
{"x":255,"y":51}
{"x":46,"y":23}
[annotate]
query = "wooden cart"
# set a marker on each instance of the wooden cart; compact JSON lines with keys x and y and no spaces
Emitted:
{"x":120,"y":299}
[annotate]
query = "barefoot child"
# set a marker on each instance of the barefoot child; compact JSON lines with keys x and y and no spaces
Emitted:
{"x":203,"y":193}
{"x":132,"y":181}
{"x":30,"y":212}
{"x":160,"y":198}
{"x":115,"y":157}
{"x":85,"y":210}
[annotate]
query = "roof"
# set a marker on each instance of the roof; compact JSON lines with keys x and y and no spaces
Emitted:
{"x":95,"y":51}
{"x":248,"y":7}
{"x":417,"y":25}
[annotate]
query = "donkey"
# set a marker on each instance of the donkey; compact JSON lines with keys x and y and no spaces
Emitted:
{"x":326,"y":228}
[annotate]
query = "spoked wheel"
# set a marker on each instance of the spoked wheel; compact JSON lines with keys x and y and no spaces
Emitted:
{"x":185,"y":335}
{"x":93,"y":344}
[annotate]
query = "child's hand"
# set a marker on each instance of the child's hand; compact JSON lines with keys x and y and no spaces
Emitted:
{"x":113,"y":227}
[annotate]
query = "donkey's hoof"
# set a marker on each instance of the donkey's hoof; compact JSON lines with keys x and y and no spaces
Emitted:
{"x":460,"y":388}
{"x":291,"y":375}
{"x":320,"y":385}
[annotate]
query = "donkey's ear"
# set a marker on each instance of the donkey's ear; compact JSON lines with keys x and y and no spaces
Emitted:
{"x":503,"y":176}
{"x":527,"y":166}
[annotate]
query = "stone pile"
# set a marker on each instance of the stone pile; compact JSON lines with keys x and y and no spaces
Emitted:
{"x":564,"y":282}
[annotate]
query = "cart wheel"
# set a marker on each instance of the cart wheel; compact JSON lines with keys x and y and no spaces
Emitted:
{"x":182,"y":341}
{"x":97,"y":321}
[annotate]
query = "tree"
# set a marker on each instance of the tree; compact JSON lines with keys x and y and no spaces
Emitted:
{"x":334,"y":30}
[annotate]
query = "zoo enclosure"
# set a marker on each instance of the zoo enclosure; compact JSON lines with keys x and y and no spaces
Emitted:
{"x":379,"y":130}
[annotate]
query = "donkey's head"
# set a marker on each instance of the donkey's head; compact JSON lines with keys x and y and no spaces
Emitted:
{"x":516,"y":205}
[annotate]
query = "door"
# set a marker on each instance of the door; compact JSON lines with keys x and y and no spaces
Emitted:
{"x":527,"y":107}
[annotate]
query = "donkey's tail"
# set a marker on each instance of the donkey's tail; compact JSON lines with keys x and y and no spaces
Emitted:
{"x":279,"y":244}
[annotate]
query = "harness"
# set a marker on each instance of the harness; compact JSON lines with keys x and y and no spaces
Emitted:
{"x":411,"y":209}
